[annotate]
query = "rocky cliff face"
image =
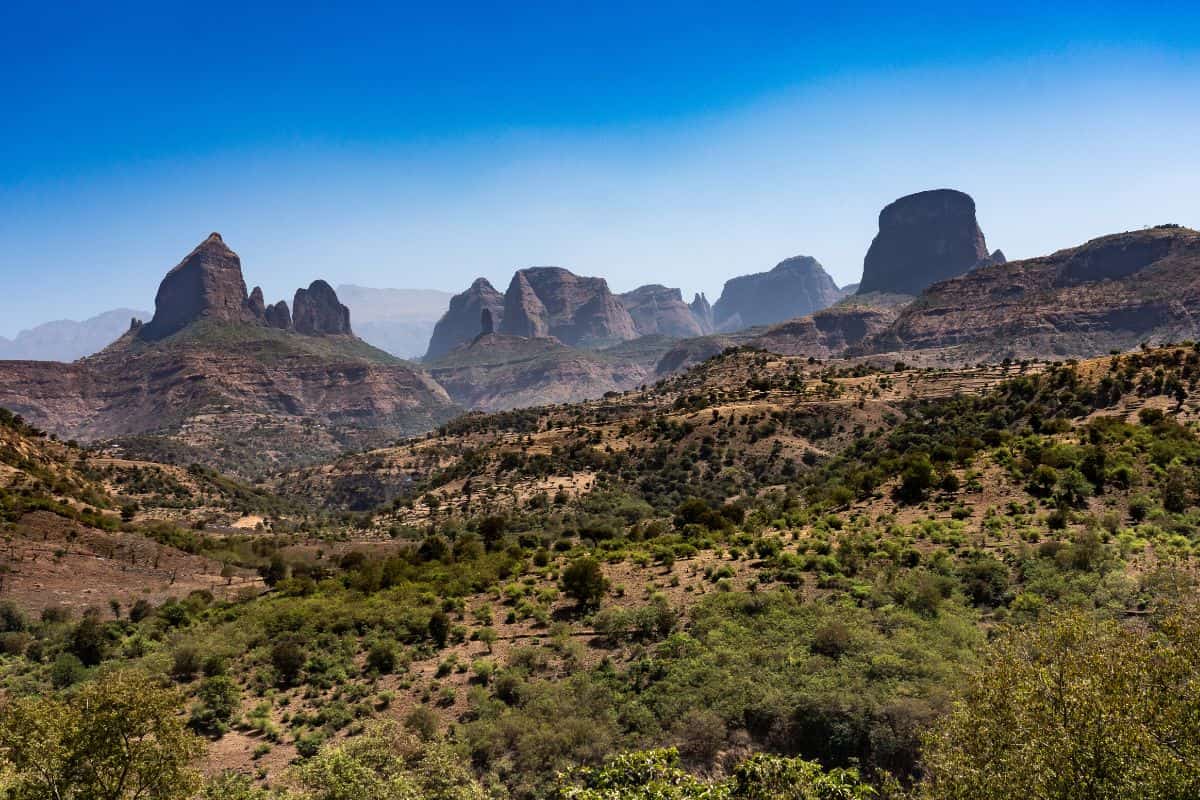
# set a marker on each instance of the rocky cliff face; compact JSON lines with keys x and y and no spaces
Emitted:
{"x":208,"y":284}
{"x":579,"y":311}
{"x":462,"y":321}
{"x":317,"y":312}
{"x":794,"y":288}
{"x":1110,"y":293}
{"x":924,"y":238}
{"x":656,"y":309}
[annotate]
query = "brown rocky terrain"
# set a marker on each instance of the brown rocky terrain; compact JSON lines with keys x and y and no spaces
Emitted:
{"x":796,"y":287}
{"x":924,"y":238}
{"x":1112,"y":293}
{"x":496,"y":372}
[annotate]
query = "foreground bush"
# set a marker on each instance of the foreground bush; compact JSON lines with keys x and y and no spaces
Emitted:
{"x":657,"y":775}
{"x":1078,"y":708}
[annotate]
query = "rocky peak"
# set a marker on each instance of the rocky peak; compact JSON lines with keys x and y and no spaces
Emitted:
{"x":256,"y":303}
{"x":552,"y":301}
{"x":207,"y":284}
{"x":462,"y":321}
{"x":924,"y":238}
{"x":702,"y":311}
{"x":795,"y":287}
{"x":316,"y":311}
{"x":277,"y":315}
{"x":657,"y":309}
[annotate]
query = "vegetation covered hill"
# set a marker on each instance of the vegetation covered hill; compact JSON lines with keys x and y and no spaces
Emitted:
{"x":856,"y":571}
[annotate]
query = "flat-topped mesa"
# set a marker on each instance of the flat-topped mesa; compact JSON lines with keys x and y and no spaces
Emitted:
{"x":795,"y":287}
{"x":925,"y":238}
{"x":658,"y":310}
{"x":552,"y":301}
{"x":461,"y":322}
{"x":207,"y":284}
{"x":316,"y":311}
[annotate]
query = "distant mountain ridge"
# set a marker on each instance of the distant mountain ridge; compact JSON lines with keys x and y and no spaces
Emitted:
{"x":68,"y":340}
{"x":795,"y":287}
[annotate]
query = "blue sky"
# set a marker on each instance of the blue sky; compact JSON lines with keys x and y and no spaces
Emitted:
{"x":681,"y":143}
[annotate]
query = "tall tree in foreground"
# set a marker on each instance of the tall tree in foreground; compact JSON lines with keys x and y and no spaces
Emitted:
{"x":1079,"y":709}
{"x":120,"y":737}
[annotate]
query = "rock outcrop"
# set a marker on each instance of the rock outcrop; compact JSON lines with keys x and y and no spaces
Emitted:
{"x":656,"y":309}
{"x":579,"y":311}
{"x":1111,"y":293}
{"x":487,"y":323}
{"x":702,"y":311}
{"x":461,"y":322}
{"x":924,"y":238}
{"x":794,"y":288}
{"x":208,"y":284}
{"x":317,"y":312}
{"x":277,"y":315}
{"x":258,"y":306}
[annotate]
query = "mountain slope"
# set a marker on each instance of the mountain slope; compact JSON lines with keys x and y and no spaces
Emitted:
{"x":1112,"y":293}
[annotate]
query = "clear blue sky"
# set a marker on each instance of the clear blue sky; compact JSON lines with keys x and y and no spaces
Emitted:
{"x":682,"y":143}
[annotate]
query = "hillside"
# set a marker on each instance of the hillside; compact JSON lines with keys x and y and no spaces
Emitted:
{"x":1112,"y":293}
{"x":763,"y":553}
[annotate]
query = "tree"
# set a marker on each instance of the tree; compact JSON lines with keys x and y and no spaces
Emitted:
{"x":385,"y":763}
{"x":288,"y":659}
{"x":439,"y":627}
{"x":220,"y":698}
{"x":657,"y":775}
{"x":584,"y":580}
{"x":118,"y":738}
{"x":916,"y":479}
{"x":1075,"y":708}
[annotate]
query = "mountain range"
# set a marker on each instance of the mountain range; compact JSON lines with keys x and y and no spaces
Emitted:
{"x":218,"y":375}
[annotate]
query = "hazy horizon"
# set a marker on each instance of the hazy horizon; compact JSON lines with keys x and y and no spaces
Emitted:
{"x":419,"y":148}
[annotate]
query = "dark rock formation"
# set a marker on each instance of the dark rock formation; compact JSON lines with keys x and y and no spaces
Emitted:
{"x":317,"y":312}
{"x":208,"y":284}
{"x":924,"y":238}
{"x":487,"y":325}
{"x":256,"y":304}
{"x":658,"y":310}
{"x":579,"y":311}
{"x":794,"y":288}
{"x":277,"y":315}
{"x":460,"y":323}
